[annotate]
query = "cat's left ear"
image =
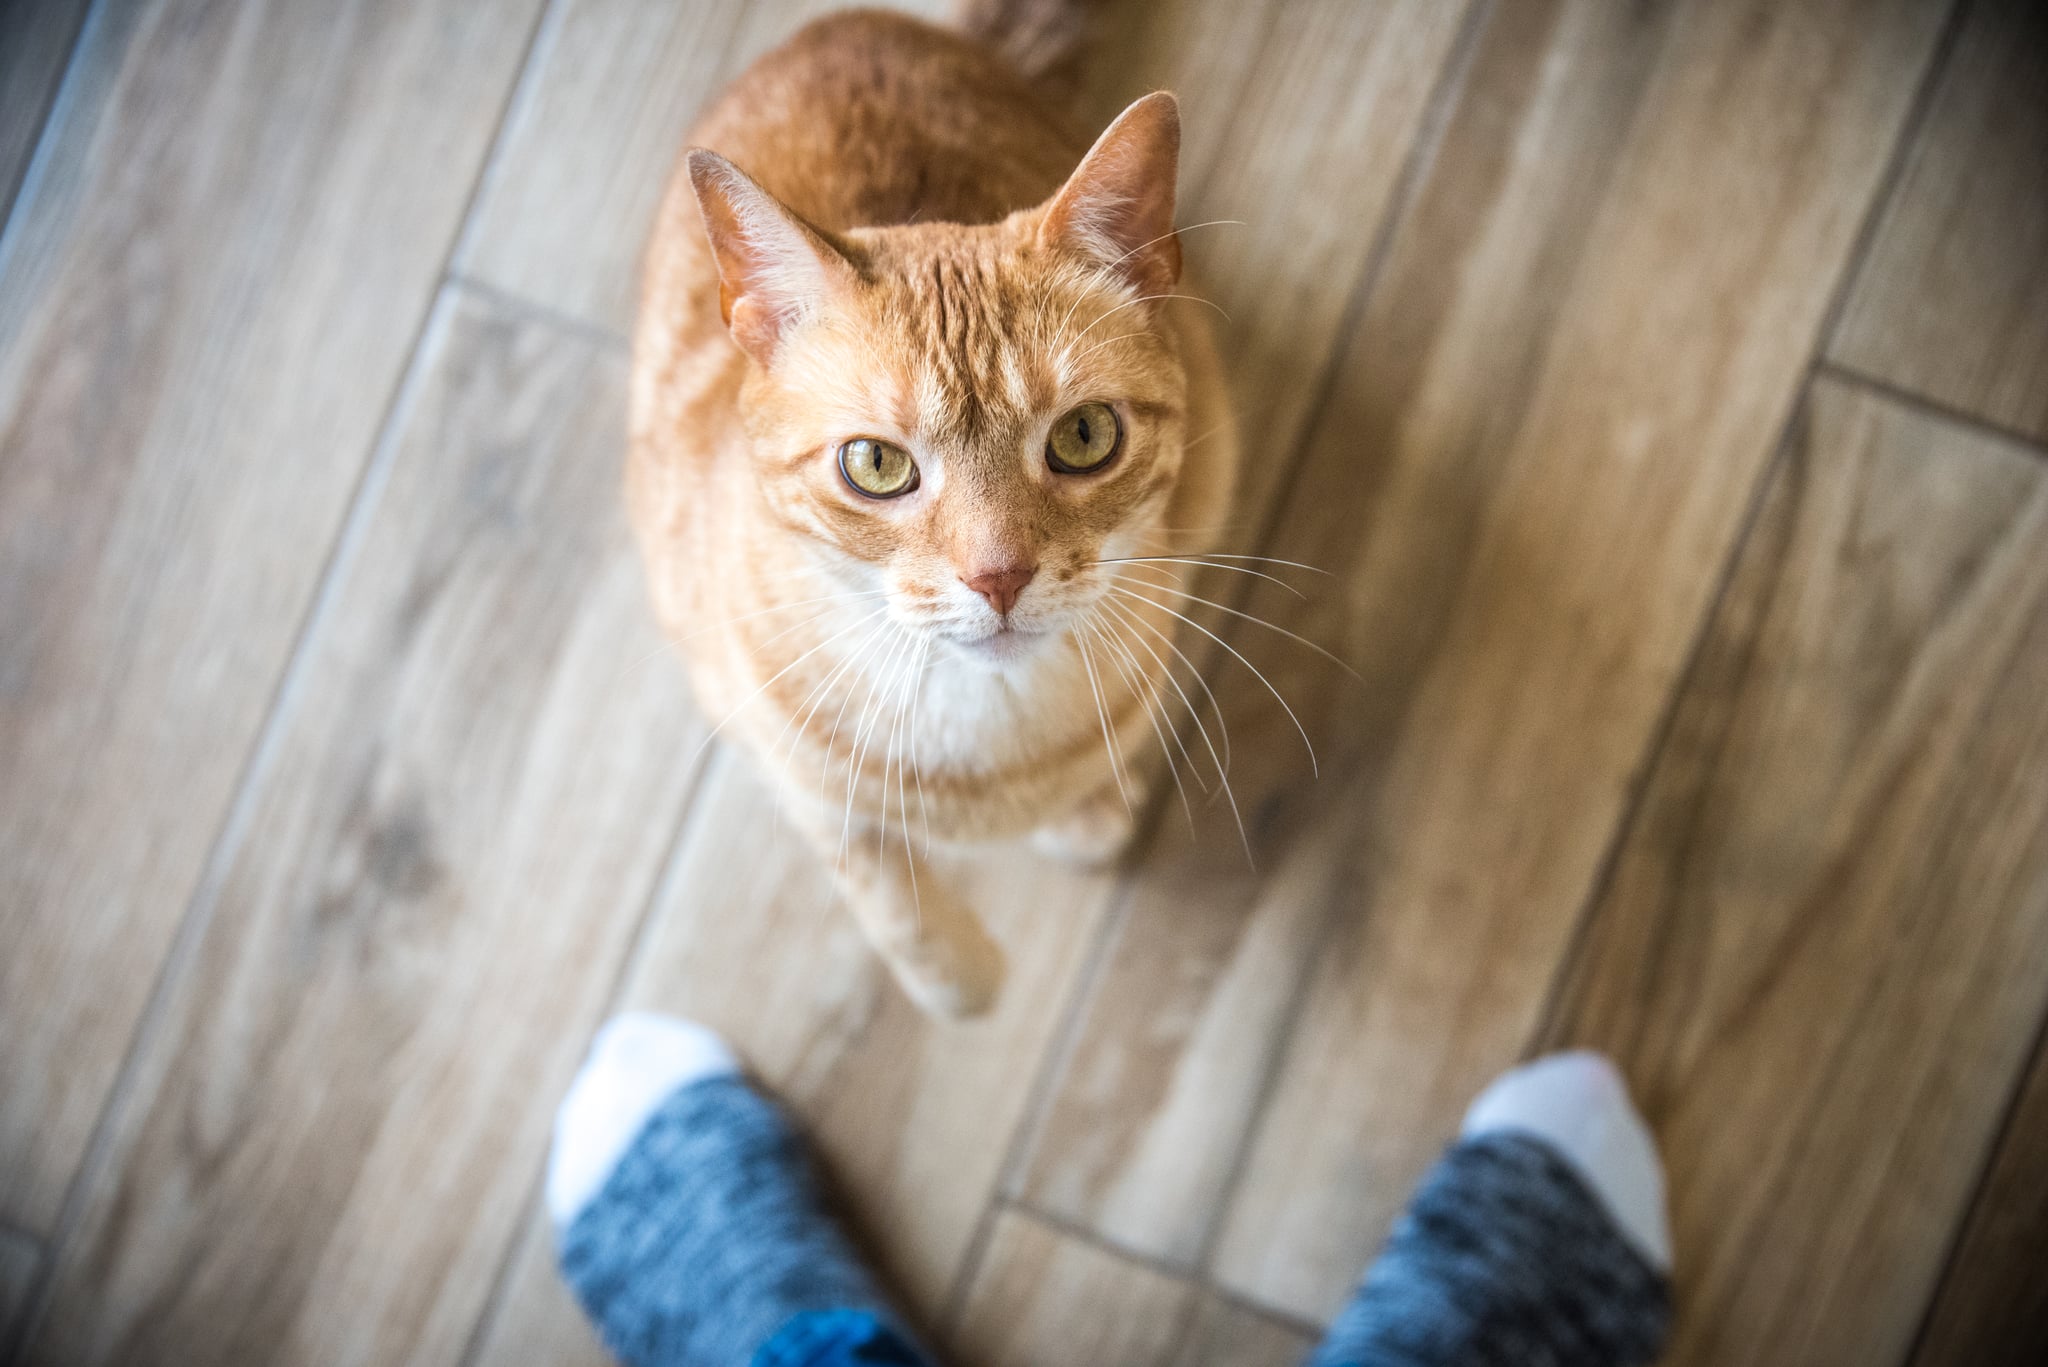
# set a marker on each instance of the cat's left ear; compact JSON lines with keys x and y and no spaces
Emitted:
{"x":1117,"y":207}
{"x":774,"y":269}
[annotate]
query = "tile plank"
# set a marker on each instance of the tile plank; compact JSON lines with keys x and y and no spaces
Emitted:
{"x":203,"y":314}
{"x":913,"y":1117}
{"x":1952,"y":301}
{"x":1823,"y":954}
{"x":456,"y":833}
{"x":1992,"y":1309}
{"x":1227,"y":1334}
{"x":1525,"y":481}
{"x":615,"y":85}
{"x":1045,"y":1299}
{"x":36,"y":38}
{"x":20,"y":1258}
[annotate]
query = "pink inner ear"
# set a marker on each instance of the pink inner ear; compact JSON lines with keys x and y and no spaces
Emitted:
{"x":773,"y":268}
{"x":1117,"y":207}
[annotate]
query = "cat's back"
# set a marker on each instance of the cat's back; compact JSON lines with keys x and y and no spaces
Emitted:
{"x":865,"y":118}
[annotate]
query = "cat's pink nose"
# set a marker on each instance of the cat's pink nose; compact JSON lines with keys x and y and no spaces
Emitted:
{"x":1001,"y":586}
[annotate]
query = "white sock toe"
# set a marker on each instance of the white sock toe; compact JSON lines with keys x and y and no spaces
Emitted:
{"x":637,"y":1061}
{"x":1578,"y":1104}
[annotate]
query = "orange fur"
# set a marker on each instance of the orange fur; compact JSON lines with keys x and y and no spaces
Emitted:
{"x":894,"y":242}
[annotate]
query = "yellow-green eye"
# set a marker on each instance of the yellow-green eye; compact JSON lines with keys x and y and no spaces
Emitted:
{"x":876,"y":468}
{"x":1085,"y":439}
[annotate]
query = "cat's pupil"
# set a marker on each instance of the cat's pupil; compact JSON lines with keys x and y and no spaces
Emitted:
{"x":1081,"y":431}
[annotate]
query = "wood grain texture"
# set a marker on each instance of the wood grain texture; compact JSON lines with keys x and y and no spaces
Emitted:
{"x":1952,"y":301}
{"x":452,"y":841}
{"x":1045,"y":1299}
{"x":614,"y":87}
{"x":1535,"y":460}
{"x":36,"y":37}
{"x":913,"y":1117}
{"x":1306,"y":210}
{"x":204,"y":312}
{"x":1992,"y":1308}
{"x":1226,"y":1334}
{"x":20,"y":1257}
{"x":1823,"y":954}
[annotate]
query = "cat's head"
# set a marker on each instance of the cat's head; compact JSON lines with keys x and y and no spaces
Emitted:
{"x":970,"y":420}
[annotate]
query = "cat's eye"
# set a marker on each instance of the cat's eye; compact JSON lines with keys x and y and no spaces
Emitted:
{"x":1085,"y":439}
{"x":876,"y":468}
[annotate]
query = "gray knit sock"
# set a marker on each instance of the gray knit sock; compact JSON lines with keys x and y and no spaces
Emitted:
{"x":707,"y":1241}
{"x":1505,"y":1257}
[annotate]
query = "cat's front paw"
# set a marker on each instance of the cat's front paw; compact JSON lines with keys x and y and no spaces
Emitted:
{"x":1093,"y":835}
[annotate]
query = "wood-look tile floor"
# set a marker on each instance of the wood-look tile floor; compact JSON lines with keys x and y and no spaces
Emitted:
{"x":1664,"y":389}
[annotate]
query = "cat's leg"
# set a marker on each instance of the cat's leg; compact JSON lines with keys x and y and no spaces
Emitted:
{"x":1096,"y":832}
{"x":935,"y":945}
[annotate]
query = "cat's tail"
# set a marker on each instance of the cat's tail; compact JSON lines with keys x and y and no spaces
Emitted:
{"x":1042,"y":39}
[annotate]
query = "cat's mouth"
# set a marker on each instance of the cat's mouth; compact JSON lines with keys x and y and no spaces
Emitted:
{"x":1005,"y":645}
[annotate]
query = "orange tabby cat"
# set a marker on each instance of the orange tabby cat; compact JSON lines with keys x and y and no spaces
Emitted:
{"x":908,"y":396}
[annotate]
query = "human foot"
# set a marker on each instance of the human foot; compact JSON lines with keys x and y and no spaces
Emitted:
{"x":1539,"y":1240}
{"x":692,"y":1227}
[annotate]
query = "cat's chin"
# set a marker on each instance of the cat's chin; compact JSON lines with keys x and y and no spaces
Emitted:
{"x":1004,"y":649}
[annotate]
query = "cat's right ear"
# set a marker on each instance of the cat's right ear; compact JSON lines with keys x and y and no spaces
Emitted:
{"x":774,"y":269}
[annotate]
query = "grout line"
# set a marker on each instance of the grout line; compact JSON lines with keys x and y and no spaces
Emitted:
{"x":1918,"y":110}
{"x":2026,"y":1074}
{"x":13,"y":196}
{"x":1089,"y":1239}
{"x":1543,"y":1033}
{"x":666,"y":871}
{"x":1160,"y":1267}
{"x":22,"y":199}
{"x":545,"y":26}
{"x":1100,"y":1242}
{"x":509,"y":301}
{"x":203,"y":902}
{"x":1930,"y":407}
{"x":1284,"y":1319}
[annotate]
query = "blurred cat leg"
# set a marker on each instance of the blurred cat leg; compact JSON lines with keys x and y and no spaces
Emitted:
{"x":1096,"y":833}
{"x":937,"y":948}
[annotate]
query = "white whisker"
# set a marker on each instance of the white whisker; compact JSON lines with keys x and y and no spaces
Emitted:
{"x":1102,"y":715}
{"x":1314,"y":768}
{"x":1133,"y":303}
{"x":857,"y":748}
{"x":1222,"y":770}
{"x":1204,"y":564}
{"x":1262,"y":622}
{"x":1150,"y":698}
{"x":1124,"y":615}
{"x":1215,"y":708}
{"x":769,"y":682}
{"x":1206,"y":223}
